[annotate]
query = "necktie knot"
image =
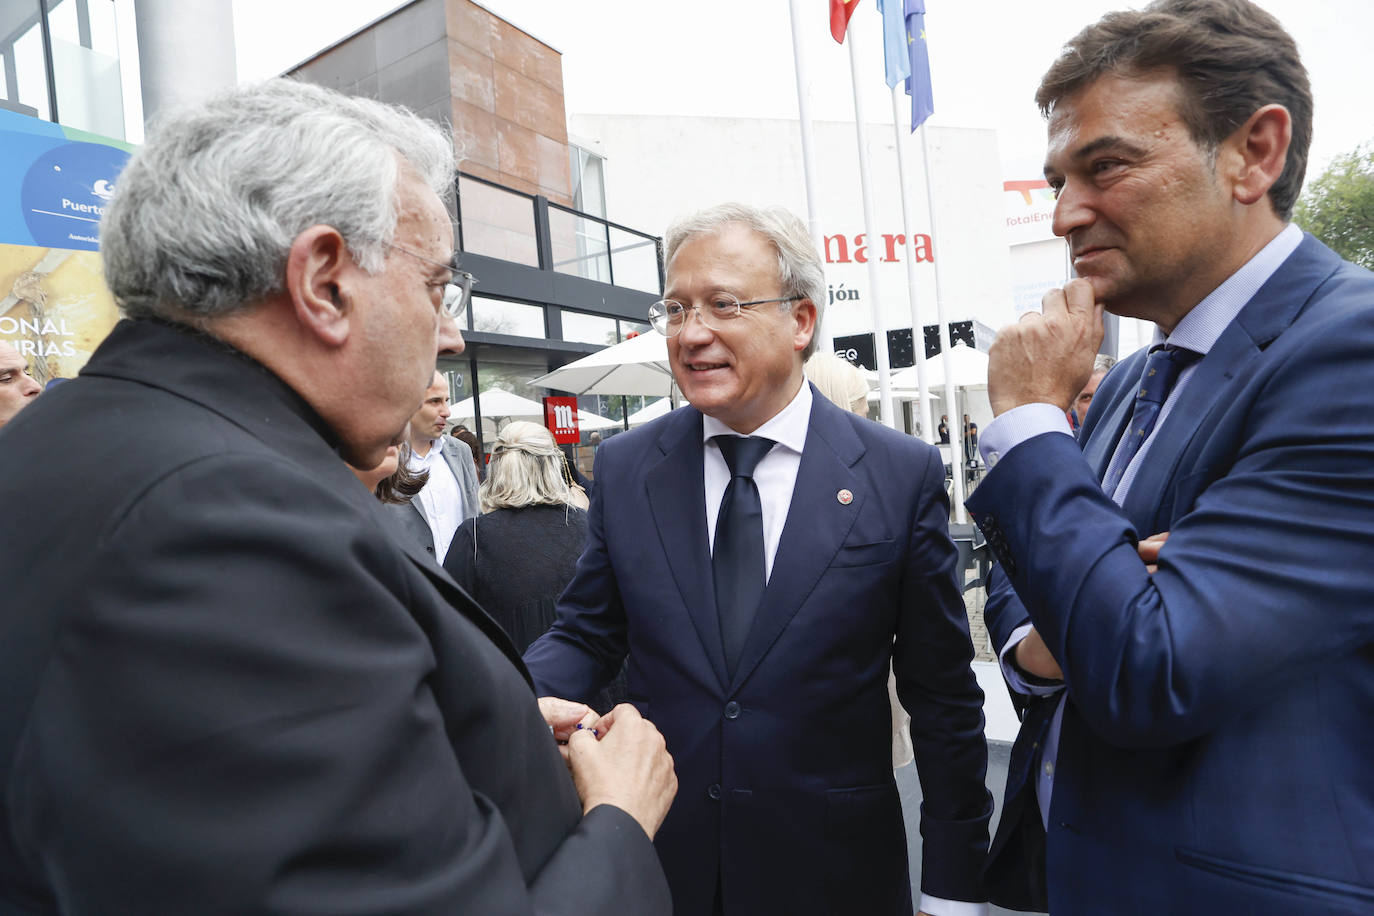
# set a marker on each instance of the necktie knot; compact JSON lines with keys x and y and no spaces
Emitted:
{"x":1162,"y":370}
{"x":743,"y":453}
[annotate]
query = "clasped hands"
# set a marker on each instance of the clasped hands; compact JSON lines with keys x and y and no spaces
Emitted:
{"x":617,"y":759}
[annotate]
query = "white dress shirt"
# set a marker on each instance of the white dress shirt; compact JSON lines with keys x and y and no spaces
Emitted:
{"x":776,"y":477}
{"x":441,"y":500}
{"x":1197,"y":331}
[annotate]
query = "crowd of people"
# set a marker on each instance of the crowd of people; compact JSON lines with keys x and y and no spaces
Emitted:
{"x":274,"y":641}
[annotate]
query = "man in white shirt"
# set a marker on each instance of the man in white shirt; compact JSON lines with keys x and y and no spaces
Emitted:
{"x":449,"y":496}
{"x":763,"y":555}
{"x":1187,"y":587}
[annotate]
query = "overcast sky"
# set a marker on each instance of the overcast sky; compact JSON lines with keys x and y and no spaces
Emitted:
{"x":733,"y":58}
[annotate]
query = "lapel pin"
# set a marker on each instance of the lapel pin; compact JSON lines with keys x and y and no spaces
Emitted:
{"x":845,"y":497}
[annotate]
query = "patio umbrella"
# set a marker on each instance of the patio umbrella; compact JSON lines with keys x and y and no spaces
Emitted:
{"x":653,"y":411}
{"x":969,"y":367}
{"x":499,"y":404}
{"x":635,"y":366}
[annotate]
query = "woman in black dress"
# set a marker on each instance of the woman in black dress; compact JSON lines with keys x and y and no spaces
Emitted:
{"x":517,"y":557}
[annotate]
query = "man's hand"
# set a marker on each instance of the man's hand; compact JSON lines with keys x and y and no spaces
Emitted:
{"x":565,"y":717}
{"x":1033,"y":657}
{"x":1046,"y":358}
{"x":1149,"y":550}
{"x":629,"y":767}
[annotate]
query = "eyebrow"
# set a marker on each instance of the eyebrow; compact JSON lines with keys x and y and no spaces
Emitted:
{"x":1099,"y":145}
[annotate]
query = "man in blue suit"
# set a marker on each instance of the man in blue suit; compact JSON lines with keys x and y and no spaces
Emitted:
{"x":1195,"y":581}
{"x":770,"y":687}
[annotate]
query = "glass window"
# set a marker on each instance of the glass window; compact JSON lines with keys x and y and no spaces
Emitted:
{"x":579,"y":245}
{"x":630,"y":329}
{"x":21,"y":40}
{"x":588,"y":178}
{"x":497,"y":223}
{"x":496,"y":316}
{"x":85,"y":56}
{"x":584,"y":328}
{"x":634,"y":261}
{"x":503,"y":377}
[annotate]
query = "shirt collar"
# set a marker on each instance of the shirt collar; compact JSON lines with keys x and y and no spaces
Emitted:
{"x":787,"y":427}
{"x":419,"y":462}
{"x":1199,"y":329}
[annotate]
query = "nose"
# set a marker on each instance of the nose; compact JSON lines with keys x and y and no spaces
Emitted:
{"x":30,"y":388}
{"x":445,"y":411}
{"x":694,"y":333}
{"x":450,"y":340}
{"x":1071,"y":210}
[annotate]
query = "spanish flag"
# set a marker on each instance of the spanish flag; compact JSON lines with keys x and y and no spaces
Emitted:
{"x":840,"y":11}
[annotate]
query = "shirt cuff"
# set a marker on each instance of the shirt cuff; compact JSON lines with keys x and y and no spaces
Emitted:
{"x":1017,"y":425}
{"x":938,"y":906}
{"x":1013,"y":675}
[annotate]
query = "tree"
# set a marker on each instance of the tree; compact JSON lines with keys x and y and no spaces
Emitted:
{"x":1338,"y":207}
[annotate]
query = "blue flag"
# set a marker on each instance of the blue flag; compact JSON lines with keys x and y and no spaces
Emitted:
{"x":918,"y":83}
{"x":896,"y":57}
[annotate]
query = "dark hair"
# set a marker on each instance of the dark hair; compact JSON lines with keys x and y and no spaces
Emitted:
{"x":1230,"y":57}
{"x":403,"y":484}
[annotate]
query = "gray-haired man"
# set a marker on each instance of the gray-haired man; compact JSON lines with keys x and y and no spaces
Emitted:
{"x":226,"y":688}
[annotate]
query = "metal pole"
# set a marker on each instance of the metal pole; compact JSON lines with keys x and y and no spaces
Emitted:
{"x":956,"y":426}
{"x":808,"y":143}
{"x":879,"y":334}
{"x":918,"y":345}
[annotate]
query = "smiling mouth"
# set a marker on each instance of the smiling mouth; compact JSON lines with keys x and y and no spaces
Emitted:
{"x":705,"y":367}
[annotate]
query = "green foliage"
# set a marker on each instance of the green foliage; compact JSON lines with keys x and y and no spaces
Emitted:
{"x":1338,"y":207}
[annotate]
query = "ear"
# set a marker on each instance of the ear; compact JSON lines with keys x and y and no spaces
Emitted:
{"x":318,"y":269}
{"x":804,"y":314}
{"x":1261,"y":146}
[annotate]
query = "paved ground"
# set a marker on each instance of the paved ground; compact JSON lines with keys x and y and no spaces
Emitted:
{"x":910,"y":787}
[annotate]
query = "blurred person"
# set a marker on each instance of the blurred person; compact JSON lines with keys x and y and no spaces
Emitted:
{"x":392,"y":481}
{"x":466,"y":436}
{"x":943,"y":429}
{"x":450,"y":494}
{"x":17,"y":388}
{"x":1187,"y":584}
{"x":245,"y":697}
{"x":517,"y":557}
{"x":1102,"y":363}
{"x":754,"y":554}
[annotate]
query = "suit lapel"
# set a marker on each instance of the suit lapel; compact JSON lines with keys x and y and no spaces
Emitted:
{"x":676,"y":494}
{"x":1149,"y":505}
{"x":817,"y":525}
{"x":1099,"y":440}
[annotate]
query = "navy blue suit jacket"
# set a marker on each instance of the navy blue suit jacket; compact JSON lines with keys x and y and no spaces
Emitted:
{"x":1216,"y":747}
{"x":786,"y":794}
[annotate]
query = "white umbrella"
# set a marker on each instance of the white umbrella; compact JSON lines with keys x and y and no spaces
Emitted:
{"x":635,"y":366}
{"x":653,"y":411}
{"x":969,"y":367}
{"x":499,"y":404}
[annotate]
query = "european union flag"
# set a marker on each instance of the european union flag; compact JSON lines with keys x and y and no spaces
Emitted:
{"x":896,"y":58}
{"x":918,"y":83}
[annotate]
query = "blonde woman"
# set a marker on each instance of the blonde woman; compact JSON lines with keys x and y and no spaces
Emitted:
{"x":516,"y":557}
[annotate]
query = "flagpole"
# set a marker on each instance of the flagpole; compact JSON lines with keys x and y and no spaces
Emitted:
{"x":956,"y":426}
{"x":872,"y":238}
{"x":808,"y":145}
{"x":918,"y":348}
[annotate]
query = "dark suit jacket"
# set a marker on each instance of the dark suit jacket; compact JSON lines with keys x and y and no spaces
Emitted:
{"x":225,"y":689}
{"x":1215,"y":753}
{"x":786,"y":795}
{"x":458,"y":456}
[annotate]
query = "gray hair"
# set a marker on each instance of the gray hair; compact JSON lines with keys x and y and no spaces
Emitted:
{"x":799,"y":264}
{"x":205,"y":213}
{"x":840,"y":381}
{"x":526,"y":469}
{"x":1103,"y":363}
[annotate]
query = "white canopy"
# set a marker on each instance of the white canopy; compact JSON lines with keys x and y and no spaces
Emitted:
{"x":498,"y":404}
{"x":969,"y":367}
{"x":659,"y":408}
{"x":635,"y":366}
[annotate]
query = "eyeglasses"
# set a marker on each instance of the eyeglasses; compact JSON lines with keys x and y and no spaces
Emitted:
{"x":669,"y":317}
{"x":457,"y":292}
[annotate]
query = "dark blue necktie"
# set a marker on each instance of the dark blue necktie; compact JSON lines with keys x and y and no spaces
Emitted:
{"x":737,"y":560}
{"x":1162,"y":370}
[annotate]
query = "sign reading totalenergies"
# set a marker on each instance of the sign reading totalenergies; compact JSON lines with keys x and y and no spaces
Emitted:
{"x":54,"y":185}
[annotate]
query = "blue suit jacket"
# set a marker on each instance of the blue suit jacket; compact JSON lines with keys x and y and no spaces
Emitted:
{"x":1216,"y":747}
{"x":786,"y":794}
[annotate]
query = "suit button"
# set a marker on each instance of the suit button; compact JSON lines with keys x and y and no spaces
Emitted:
{"x":732,"y":710}
{"x":713,"y":791}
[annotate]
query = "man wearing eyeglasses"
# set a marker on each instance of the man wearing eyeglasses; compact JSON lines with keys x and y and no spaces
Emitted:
{"x":761,"y":556}
{"x":227,"y":683}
